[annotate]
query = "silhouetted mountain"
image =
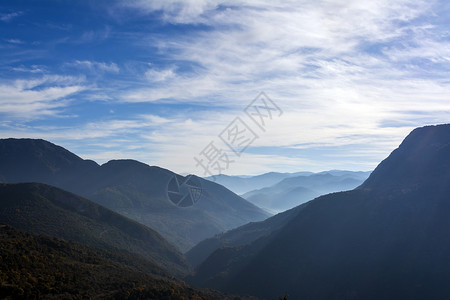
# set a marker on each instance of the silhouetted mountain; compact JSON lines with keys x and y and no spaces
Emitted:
{"x":387,"y":239}
{"x":133,"y":189}
{"x":296,"y":190}
{"x":44,"y":209}
{"x":41,"y":267}
{"x":140,"y":192}
{"x":244,"y":184}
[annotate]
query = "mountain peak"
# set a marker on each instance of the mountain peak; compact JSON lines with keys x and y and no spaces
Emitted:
{"x":24,"y":160}
{"x":423,"y":158}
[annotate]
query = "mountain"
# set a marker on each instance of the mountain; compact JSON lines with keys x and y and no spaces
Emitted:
{"x":141,"y":192}
{"x":43,"y":209}
{"x":421,"y":160}
{"x":27,"y":160}
{"x":185,"y":210}
{"x":387,"y":239}
{"x":244,"y":184}
{"x":296,"y":190}
{"x":42,"y":267}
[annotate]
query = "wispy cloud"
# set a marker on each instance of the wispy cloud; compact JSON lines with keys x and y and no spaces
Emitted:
{"x":337,"y":68}
{"x":155,"y":75}
{"x":7,"y":17}
{"x":30,"y":99}
{"x":15,"y":41}
{"x":96,"y":66}
{"x":31,"y":69}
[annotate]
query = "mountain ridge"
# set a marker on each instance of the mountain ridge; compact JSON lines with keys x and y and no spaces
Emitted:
{"x":295,"y":190}
{"x":129,"y":187}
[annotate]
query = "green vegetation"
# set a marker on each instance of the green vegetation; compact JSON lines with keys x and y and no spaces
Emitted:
{"x":33,"y":267}
{"x":44,"y":209}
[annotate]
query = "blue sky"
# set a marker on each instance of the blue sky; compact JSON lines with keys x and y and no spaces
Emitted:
{"x":158,"y":81}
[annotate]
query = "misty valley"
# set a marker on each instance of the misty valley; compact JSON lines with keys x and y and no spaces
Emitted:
{"x":73,"y":228}
{"x":225,"y":149}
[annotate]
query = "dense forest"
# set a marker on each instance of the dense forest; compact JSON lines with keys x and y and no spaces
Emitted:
{"x":38,"y":266}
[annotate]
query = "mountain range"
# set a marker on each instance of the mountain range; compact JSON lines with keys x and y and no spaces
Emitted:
{"x":386,"y":239}
{"x":295,"y":190}
{"x":154,"y":196}
{"x":244,"y":184}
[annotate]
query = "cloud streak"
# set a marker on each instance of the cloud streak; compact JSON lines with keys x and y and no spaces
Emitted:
{"x":37,"y":98}
{"x":95,"y":66}
{"x":7,"y":17}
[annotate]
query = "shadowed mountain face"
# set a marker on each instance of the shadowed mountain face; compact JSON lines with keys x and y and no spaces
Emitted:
{"x":296,"y":190}
{"x":240,"y":236}
{"x":388,"y":239}
{"x":44,"y":209}
{"x":131,"y":188}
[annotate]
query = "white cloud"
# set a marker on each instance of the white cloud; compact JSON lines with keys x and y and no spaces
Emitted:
{"x":31,"y":69}
{"x":15,"y":41}
{"x":96,"y":66}
{"x":159,"y":75}
{"x":174,"y":11}
{"x":6,"y":17}
{"x":34,"y":98}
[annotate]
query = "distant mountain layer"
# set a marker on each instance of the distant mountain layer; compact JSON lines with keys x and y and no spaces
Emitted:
{"x":296,"y":190}
{"x":41,"y":267}
{"x":43,"y":209}
{"x":133,"y":189}
{"x":388,"y":239}
{"x":243,"y":184}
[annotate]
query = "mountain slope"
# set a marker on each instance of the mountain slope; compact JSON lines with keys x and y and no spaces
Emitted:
{"x":44,"y":209}
{"x":387,"y":239}
{"x":421,"y":159}
{"x":240,"y":236}
{"x":131,"y":188}
{"x":35,"y":267}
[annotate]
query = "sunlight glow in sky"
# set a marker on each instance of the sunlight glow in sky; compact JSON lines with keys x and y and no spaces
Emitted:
{"x":157,"y":81}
